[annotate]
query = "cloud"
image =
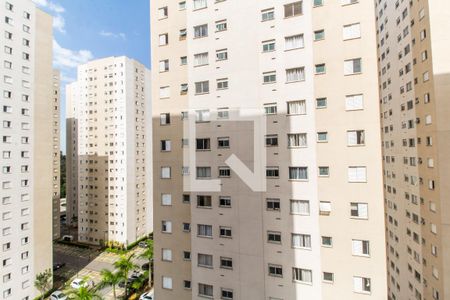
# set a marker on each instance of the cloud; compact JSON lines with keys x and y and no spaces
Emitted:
{"x":59,"y":23}
{"x":113,"y":35}
{"x":58,"y":20}
{"x":67,"y":59}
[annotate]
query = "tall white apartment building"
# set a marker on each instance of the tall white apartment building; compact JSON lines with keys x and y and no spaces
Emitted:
{"x":107,"y":110}
{"x":56,"y":155}
{"x":310,"y":68}
{"x":26,"y":147}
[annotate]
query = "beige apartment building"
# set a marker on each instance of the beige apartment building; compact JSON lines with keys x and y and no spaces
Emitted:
{"x":26,"y":147}
{"x":109,"y":181}
{"x":56,"y":155}
{"x":292,"y":210}
{"x":414,"y":68}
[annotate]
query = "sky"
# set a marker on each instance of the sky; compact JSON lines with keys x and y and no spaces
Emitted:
{"x":84,"y":30}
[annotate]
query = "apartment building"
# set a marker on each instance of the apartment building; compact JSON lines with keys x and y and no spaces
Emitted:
{"x":26,"y":147}
{"x":414,"y":68}
{"x":315,"y":230}
{"x":107,"y":108}
{"x":56,"y":155}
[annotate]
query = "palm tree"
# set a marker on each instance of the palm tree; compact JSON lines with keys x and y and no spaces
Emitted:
{"x":124,"y":265}
{"x":43,"y":282}
{"x":148,"y":254}
{"x":110,"y":278}
{"x":83,"y":293}
{"x":139,"y":283}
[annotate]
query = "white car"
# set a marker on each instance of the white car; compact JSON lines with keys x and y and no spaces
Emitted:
{"x":58,"y":295}
{"x":147,"y":296}
{"x":77,"y":283}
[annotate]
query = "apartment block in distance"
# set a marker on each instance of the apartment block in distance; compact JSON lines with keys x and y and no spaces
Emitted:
{"x":414,"y":66}
{"x":309,"y":68}
{"x":56,"y":155}
{"x":108,"y":105}
{"x":26,"y":147}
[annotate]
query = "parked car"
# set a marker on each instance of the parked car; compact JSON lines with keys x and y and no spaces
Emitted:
{"x":143,"y":244}
{"x":77,"y":283}
{"x":58,"y":266}
{"x":58,"y":295}
{"x":67,"y":238}
{"x":145,"y":267}
{"x":147,"y":296}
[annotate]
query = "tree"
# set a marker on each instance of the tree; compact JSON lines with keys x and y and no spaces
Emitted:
{"x":43,"y":282}
{"x":148,"y":254}
{"x":110,"y":278}
{"x":124,"y":265}
{"x":83,"y":293}
{"x":139,"y":283}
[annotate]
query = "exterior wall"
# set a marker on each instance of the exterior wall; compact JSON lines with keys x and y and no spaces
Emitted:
{"x":248,"y":216}
{"x":56,"y":155}
{"x":108,"y":132}
{"x":417,"y":261}
{"x":26,"y":147}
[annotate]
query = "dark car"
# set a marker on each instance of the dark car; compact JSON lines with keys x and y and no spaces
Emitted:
{"x":145,"y":267}
{"x":58,"y":266}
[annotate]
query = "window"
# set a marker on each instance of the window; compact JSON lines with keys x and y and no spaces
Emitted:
{"x":322,"y":136}
{"x":327,"y":241}
{"x":226,"y":294}
{"x":351,"y":31}
{"x":224,"y":201}
{"x":8,"y":35}
{"x":298,"y":173}
{"x":271,"y":140}
{"x":166,"y":255}
{"x":182,"y":5}
{"x":273,"y":204}
{"x":319,"y":35}
{"x":205,"y":260}
{"x":270,"y":109}
{"x":355,"y":137}
{"x":204,"y":201}
{"x":200,"y":59}
{"x":357,"y":174}
{"x":203,"y":144}
{"x":295,"y":74}
{"x":205,"y":290}
{"x":325,"y":208}
{"x":275,"y":270}
{"x":294,"y":42}
{"x":318,"y":3}
{"x":268,"y":46}
{"x":301,"y":240}
{"x":166,"y":199}
{"x":302,"y":275}
{"x":269,"y":77}
{"x":221,"y":25}
{"x":222,"y":84}
{"x":165,"y":173}
{"x":360,"y":248}
{"x":166,"y":145}
{"x":186,"y":255}
{"x":320,"y":69}
{"x":163,"y":39}
{"x":354,"y":102}
{"x":274,"y":237}
{"x":225,"y":232}
{"x":348,"y":2}
{"x":293,"y":9}
{"x":327,"y":277}
{"x":321,"y":103}
{"x":164,"y":92}
{"x":166,"y":226}
{"x":297,"y":107}
{"x":272,"y":172}
{"x":223,"y":142}
{"x":361,"y":285}
{"x":187,"y":284}
{"x":324,"y":171}
{"x":204,"y":230}
{"x":297,"y":140}
{"x":183,"y":34}
{"x":359,"y":210}
{"x":223,"y":113}
{"x":203,"y":172}
{"x":268,"y":14}
{"x":201,"y":31}
{"x":9,"y":21}
{"x":163,"y":12}
{"x":164,"y":119}
{"x":224,"y":172}
{"x":9,"y":6}
{"x":167,"y":282}
{"x":202,"y":115}
{"x":8,"y":50}
{"x":202,"y":87}
{"x":221,"y":54}
{"x":183,"y":60}
{"x":226,"y":263}
{"x":352,"y":66}
{"x":198,"y":4}
{"x":299,"y":207}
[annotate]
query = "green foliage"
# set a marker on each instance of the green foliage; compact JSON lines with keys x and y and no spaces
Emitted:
{"x":83,"y":293}
{"x":110,"y":278}
{"x":43,"y":282}
{"x":124,"y":265}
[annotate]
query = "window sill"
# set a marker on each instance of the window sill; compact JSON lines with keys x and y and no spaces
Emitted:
{"x":199,"y":94}
{"x":352,"y":74}
{"x":295,"y":81}
{"x":302,"y":282}
{"x":298,"y":180}
{"x":289,"y":115}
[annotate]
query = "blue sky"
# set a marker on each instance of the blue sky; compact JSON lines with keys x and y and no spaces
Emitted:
{"x":89,"y":29}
